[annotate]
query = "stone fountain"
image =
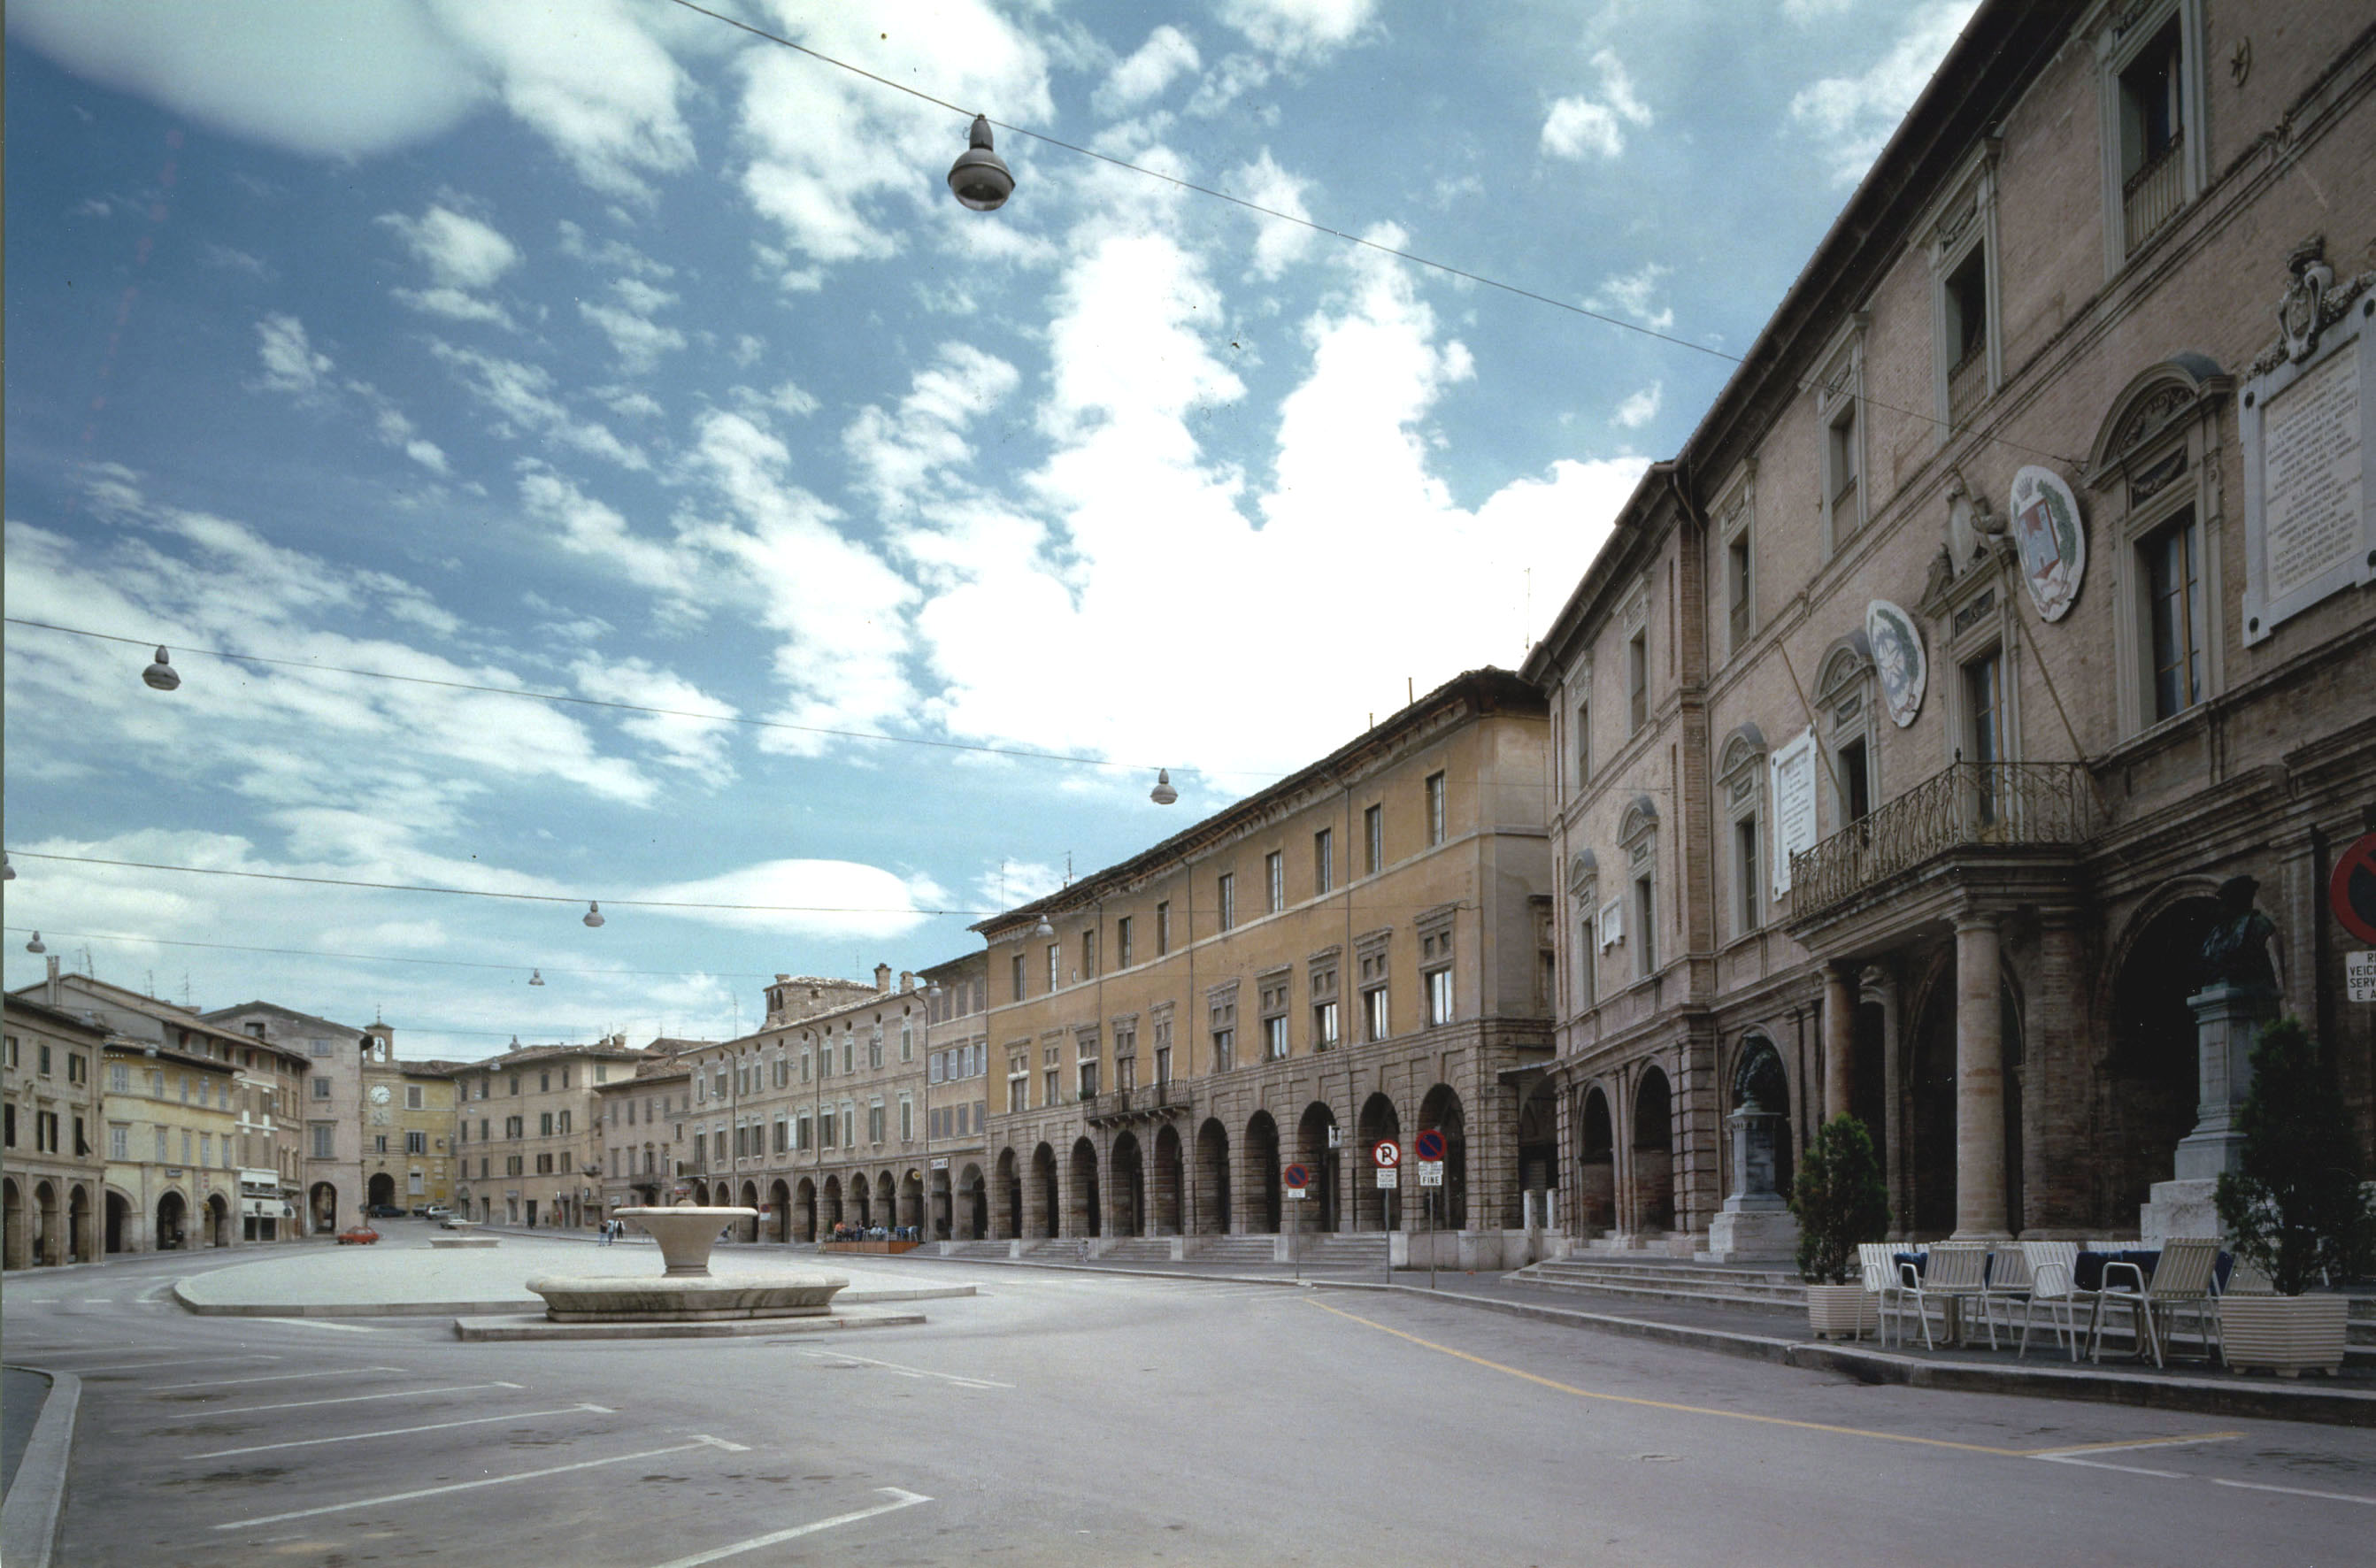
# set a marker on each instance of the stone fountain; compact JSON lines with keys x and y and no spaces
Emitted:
{"x":687,"y":1293}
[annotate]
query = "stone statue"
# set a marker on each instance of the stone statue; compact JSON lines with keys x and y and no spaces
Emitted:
{"x":2237,"y":950}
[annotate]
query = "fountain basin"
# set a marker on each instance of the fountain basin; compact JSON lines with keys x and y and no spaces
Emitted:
{"x":686,"y":1233}
{"x":711,"y":1299}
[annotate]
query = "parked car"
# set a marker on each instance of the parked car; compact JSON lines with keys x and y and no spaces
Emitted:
{"x":455,"y":1222}
{"x":383,"y":1211}
{"x":435,"y":1211}
{"x":360,"y":1236}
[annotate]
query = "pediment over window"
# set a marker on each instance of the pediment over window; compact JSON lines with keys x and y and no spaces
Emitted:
{"x":2160,"y":400}
{"x":1846,"y":662}
{"x":1641,"y":816}
{"x":1581,"y":869}
{"x":1743,"y":748}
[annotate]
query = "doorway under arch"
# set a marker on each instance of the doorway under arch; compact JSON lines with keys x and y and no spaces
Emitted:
{"x":322,"y":1206}
{"x":833,"y":1214}
{"x":1212,"y":1179}
{"x":1127,"y":1191}
{"x":218,"y":1221}
{"x":780,"y":1202}
{"x":912,"y":1202}
{"x":1539,"y":1172}
{"x":972,"y":1218}
{"x":1315,"y":1150}
{"x":19,"y":1251}
{"x":804,"y":1208}
{"x":1081,"y":1216}
{"x":381,"y":1193}
{"x":79,"y":1240}
{"x":1043,"y":1196}
{"x":1375,"y":1208}
{"x":1010,"y":1195}
{"x":2152,"y":1068}
{"x":1653,"y":1159}
{"x":119,"y":1216}
{"x":49,"y":1236}
{"x":173,"y":1217}
{"x":1440,"y":1113}
{"x":1261,"y":1164}
{"x":1596,"y":1165}
{"x":1168,"y":1183}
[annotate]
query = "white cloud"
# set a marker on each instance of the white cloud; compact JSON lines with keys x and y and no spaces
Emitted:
{"x":522,"y":396}
{"x":899,"y":453}
{"x":1640,"y":408}
{"x":291,"y":361}
{"x":1804,"y":12}
{"x":696,"y":744}
{"x":1631,"y":292}
{"x":1166,"y":54}
{"x":638,"y":340}
{"x":1298,"y":28}
{"x":460,"y":251}
{"x":1279,"y":243}
{"x":1579,"y":127}
{"x":585,"y":526}
{"x":1852,"y":117}
{"x":839,"y":898}
{"x":454,"y":304}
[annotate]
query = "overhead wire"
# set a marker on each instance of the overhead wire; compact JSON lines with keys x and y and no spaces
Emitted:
{"x":1638,"y":329}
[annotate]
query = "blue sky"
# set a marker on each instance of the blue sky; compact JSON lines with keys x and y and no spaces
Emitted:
{"x":607,"y":351}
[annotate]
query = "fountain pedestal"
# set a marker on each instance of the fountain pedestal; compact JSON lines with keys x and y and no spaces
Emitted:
{"x":688,"y":1292}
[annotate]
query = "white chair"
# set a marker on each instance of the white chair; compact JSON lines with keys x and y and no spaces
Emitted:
{"x":2007,"y":1285}
{"x":2181,"y":1278}
{"x":2053,"y":1285}
{"x":1952,"y":1274}
{"x":1878,"y":1260}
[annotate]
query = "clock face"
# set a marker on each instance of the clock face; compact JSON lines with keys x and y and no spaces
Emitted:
{"x":379,"y":1094}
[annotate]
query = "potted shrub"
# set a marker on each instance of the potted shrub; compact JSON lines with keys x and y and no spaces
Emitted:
{"x":1840,"y":1202}
{"x":2295,"y":1210}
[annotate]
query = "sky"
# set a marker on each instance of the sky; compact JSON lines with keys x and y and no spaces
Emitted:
{"x":610,"y":351}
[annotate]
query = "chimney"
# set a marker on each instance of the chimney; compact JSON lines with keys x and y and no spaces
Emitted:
{"x":881,"y":977}
{"x":907,"y":980}
{"x":50,"y":995}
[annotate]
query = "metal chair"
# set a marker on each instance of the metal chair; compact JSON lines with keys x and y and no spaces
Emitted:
{"x":2007,"y":1285}
{"x":1953,"y":1273}
{"x":2181,"y":1278}
{"x":2054,"y":1284}
{"x":1879,"y":1262}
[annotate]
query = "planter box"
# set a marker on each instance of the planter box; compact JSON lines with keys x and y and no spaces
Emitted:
{"x":2289,"y":1335}
{"x":1841,"y":1310}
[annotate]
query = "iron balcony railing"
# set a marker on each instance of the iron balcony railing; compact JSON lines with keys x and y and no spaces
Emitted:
{"x":2151,"y":195}
{"x":1965,"y":805}
{"x":1146,"y":1100}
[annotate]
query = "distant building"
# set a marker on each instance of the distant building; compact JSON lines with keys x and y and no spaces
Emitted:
{"x":56,"y":1168}
{"x":329,"y":1107}
{"x":2013,"y":596}
{"x":640,"y":1129}
{"x":956,"y":1098}
{"x":525,"y":1136}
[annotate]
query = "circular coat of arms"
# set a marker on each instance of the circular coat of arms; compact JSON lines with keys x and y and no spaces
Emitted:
{"x":2053,"y":546}
{"x":1897,"y":660}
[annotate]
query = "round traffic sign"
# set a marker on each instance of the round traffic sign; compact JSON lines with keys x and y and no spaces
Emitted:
{"x":1295,"y":1176}
{"x":1429,"y":1145}
{"x":2351,"y":892}
{"x":1386,"y":1154}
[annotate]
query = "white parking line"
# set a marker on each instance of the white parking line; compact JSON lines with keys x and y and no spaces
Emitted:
{"x":2092,"y":1448}
{"x":900,"y":1499}
{"x":401,"y":1432}
{"x":905,"y":1371}
{"x":276,"y":1377}
{"x":472,"y":1486}
{"x":176,"y":1361}
{"x":2214,"y":1480}
{"x":57,"y":1352}
{"x":349,"y":1399}
{"x":321,"y":1322}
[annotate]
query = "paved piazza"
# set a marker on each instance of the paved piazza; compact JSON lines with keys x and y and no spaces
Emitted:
{"x":1062,"y":1417}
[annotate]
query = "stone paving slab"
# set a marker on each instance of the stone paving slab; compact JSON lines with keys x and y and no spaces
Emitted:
{"x":416,"y":1279}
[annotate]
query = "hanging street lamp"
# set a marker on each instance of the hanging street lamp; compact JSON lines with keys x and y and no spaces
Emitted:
{"x":979,"y":178}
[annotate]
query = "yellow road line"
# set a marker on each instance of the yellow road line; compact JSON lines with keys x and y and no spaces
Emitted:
{"x":2131,"y":1442}
{"x":1742,"y":1415}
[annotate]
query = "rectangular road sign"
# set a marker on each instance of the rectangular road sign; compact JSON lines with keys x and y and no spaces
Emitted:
{"x":1295,"y":1192}
{"x":2359,"y":975}
{"x":1431,"y":1173}
{"x":1388,"y":1176}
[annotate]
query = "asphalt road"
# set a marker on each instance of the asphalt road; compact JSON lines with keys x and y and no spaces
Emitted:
{"x":1063,"y":1418}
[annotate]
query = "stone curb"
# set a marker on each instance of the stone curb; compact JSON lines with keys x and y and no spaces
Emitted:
{"x":509,"y":1304}
{"x":2199,"y":1395}
{"x":532,"y":1326}
{"x":28,"y":1519}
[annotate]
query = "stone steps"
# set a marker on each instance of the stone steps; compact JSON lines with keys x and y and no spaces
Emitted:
{"x":1246,"y":1250}
{"x":1138,"y":1249}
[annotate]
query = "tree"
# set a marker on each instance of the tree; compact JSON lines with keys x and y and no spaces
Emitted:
{"x":1840,"y":1202}
{"x":2296,"y":1209}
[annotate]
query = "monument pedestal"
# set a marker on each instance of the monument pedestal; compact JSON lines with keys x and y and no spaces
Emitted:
{"x":1755,"y":1223}
{"x":2228,"y":1023}
{"x":1741,"y":1235}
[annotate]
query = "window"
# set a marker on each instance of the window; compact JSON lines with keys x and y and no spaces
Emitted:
{"x":849,"y":1051}
{"x":1374,"y":1016}
{"x":1644,"y":906}
{"x":1435,"y":975}
{"x":1274,"y":1019}
{"x":1223,"y":1021}
{"x":119,"y":1141}
{"x":1984,"y":726}
{"x":1089,"y":954}
{"x":514,"y":1126}
{"x":1637,"y":680}
{"x":560,"y":1123}
{"x":1746,"y":875}
{"x":1018,"y":1085}
{"x":1373,"y":840}
{"x":1051,"y":1091}
{"x":1377,"y":1022}
{"x":1163,"y":928}
{"x":75,"y":1064}
{"x":2173,"y":587}
{"x":1964,"y":304}
{"x":119,"y":1078}
{"x":2149,"y":99}
{"x":1325,"y":1026}
{"x":512,"y":1165}
{"x":543,"y":1163}
{"x":1123,"y":955}
{"x":1163,"y":1050}
{"x":1587,"y":961}
{"x":1323,"y":862}
{"x":416,"y":1143}
{"x":1841,"y":451}
{"x":379,"y":1143}
{"x":1053,"y":958}
{"x":515,"y":1083}
{"x":1435,"y":816}
{"x":45,"y":1059}
{"x":1274,"y":881}
{"x":545,"y":1083}
{"x":161,"y":1156}
{"x":1855,"y":781}
{"x":1088,"y":1066}
{"x":1018,"y":978}
{"x":1125,"y":1058}
{"x":412,"y":1096}
{"x":874,"y":1047}
{"x":1739,"y":617}
{"x":907,"y":1048}
{"x":544,"y":1124}
{"x":874,"y":1122}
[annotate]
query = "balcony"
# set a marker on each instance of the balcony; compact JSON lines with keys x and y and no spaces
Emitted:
{"x":1146,"y":1102}
{"x":2154,"y":193}
{"x":1965,"y":806}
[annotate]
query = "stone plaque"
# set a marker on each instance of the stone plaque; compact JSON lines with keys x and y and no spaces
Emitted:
{"x":1793,"y":783}
{"x":2311,"y":475}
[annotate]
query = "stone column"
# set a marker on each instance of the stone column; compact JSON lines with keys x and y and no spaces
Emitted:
{"x":1839,"y":1040}
{"x":1980,"y":1082}
{"x":1893,"y":1145}
{"x":2053,"y":1111}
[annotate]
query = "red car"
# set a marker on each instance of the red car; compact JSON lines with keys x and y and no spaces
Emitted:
{"x":360,"y":1236}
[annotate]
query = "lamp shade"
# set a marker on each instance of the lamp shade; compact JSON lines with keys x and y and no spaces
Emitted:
{"x":161,"y":675}
{"x":979,"y":178}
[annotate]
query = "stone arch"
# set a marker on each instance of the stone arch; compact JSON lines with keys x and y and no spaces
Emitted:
{"x":972,"y":1221}
{"x":941,"y":1206}
{"x":49,"y":1235}
{"x":1258,"y":1170}
{"x":1314,"y":1150}
{"x":173,"y":1221}
{"x":748,"y":1230}
{"x":2157,"y":399}
{"x":1652,"y":1152}
{"x":1440,"y":1111}
{"x":1847,"y":660}
{"x":779,"y":1206}
{"x":886,"y":1200}
{"x":18,"y":1250}
{"x":1212,"y":1217}
{"x":1043,"y":1197}
{"x":912,"y":1202}
{"x":1744,"y":745}
{"x":834,"y":1214}
{"x":804,"y":1199}
{"x":322,"y":1208}
{"x":120,"y":1221}
{"x":1640,"y":816}
{"x":380,"y":1191}
{"x":2150,"y":1071}
{"x":1375,"y":1208}
{"x":1757,"y":1122}
{"x":218,"y":1219}
{"x":81,"y":1242}
{"x":1583,"y":870}
{"x":1126,"y":1191}
{"x":1596,"y":1163}
{"x":1168,"y":1183}
{"x":1539,"y":1160}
